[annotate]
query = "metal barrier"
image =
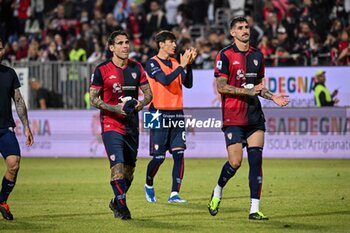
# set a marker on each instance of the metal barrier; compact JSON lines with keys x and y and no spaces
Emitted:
{"x":70,"y":79}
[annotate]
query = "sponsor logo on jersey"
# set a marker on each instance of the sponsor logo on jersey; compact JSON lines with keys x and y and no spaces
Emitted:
{"x":112,"y":77}
{"x":235,"y":63}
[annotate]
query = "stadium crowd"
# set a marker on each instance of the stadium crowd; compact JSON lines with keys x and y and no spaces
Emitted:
{"x":288,"y":32}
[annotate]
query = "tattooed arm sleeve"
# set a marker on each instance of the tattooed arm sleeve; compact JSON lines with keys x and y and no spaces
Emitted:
{"x":100,"y":104}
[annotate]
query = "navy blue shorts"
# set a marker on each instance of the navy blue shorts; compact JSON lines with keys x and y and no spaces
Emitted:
{"x":239,"y":134}
{"x":8,"y":143}
{"x":167,"y":138}
{"x":121,"y":148}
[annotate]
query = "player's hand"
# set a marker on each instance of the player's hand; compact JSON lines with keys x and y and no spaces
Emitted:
{"x":29,"y":136}
{"x":193,"y":55}
{"x":280,"y":99}
{"x":185,"y":58}
{"x":254,"y":90}
{"x":334,"y":93}
{"x":139,"y":106}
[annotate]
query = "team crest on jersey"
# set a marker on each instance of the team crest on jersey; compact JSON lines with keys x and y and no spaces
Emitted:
{"x":112,"y":157}
{"x":255,"y":61}
{"x":219,"y":65}
{"x":156,"y":146}
{"x":240,"y":74}
{"x":134,"y":75}
{"x":229,"y":136}
{"x":112,"y":77}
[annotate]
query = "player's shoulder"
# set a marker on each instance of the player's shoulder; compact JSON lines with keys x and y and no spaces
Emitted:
{"x":134,"y":64}
{"x":5,"y":68}
{"x":104,"y":63}
{"x":255,"y":50}
{"x":152,"y":62}
{"x":226,"y":49}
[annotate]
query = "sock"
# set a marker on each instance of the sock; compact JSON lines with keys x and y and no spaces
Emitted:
{"x":6,"y":188}
{"x":173,"y":194}
{"x":118,"y":187}
{"x":153,"y":167}
{"x":255,"y":171}
{"x":218,"y":191}
{"x":178,"y":170}
{"x":128,"y":184}
{"x":254,"y":205}
{"x":227,"y":173}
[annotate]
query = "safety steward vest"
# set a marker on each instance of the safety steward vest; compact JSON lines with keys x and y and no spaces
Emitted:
{"x":167,"y":97}
{"x":318,"y":89}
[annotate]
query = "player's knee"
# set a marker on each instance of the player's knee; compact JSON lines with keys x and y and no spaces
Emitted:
{"x":129,"y":172}
{"x":235,"y":162}
{"x":117,"y":171}
{"x":13,"y":169}
{"x":159,"y":158}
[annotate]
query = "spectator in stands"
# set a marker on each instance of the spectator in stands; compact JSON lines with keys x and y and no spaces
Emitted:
{"x":267,"y":50}
{"x":155,"y":20}
{"x":270,"y":8}
{"x":171,"y":7}
{"x":323,"y":97}
{"x":340,"y":50}
{"x":22,"y":51}
{"x":42,"y":94}
{"x":283,"y":46}
{"x":136,"y":21}
{"x":302,"y":45}
{"x":256,"y":33}
{"x":271,"y":26}
{"x":97,"y":54}
{"x":52,"y":53}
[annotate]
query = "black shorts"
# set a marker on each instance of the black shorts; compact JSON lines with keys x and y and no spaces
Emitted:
{"x":121,"y":148}
{"x":167,"y":138}
{"x":239,"y":134}
{"x":8,"y":143}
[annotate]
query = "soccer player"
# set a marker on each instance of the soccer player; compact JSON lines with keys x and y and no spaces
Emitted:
{"x":239,"y":74}
{"x":166,"y":76}
{"x":9,"y":147}
{"x":114,"y":90}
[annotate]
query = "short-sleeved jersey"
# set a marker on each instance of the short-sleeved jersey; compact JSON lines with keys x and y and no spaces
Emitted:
{"x":240,"y":68}
{"x":117,"y":83}
{"x":8,"y":83}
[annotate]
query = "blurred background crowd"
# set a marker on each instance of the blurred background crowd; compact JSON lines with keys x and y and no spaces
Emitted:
{"x":288,"y":32}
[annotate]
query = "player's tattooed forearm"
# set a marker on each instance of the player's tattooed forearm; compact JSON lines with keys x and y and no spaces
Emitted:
{"x":266,"y":94}
{"x":21,"y":108}
{"x":117,"y":171}
{"x":100,"y":104}
{"x":146,"y":90}
{"x":224,"y":88}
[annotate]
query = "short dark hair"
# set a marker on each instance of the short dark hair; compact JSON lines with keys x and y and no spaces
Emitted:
{"x":114,"y":34}
{"x":164,"y":35}
{"x":236,"y":20}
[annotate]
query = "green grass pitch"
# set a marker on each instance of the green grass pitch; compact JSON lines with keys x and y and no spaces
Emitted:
{"x":72,"y":195}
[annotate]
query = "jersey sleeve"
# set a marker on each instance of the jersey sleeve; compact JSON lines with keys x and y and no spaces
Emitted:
{"x":152,"y":68}
{"x":16,"y":83}
{"x":221,"y":65}
{"x":96,"y":79}
{"x":143,"y":77}
{"x":261,"y":73}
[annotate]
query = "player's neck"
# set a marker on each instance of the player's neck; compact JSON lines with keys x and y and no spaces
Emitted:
{"x":242,"y":46}
{"x":163,"y":55}
{"x":119,"y":62}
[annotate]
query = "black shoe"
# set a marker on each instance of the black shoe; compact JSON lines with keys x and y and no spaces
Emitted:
{"x":258,"y":216}
{"x":122,"y":213}
{"x":5,"y":211}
